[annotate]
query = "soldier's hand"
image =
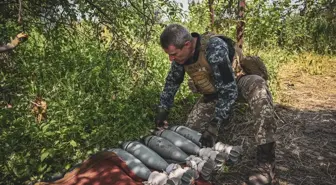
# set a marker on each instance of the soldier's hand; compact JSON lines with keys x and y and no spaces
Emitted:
{"x":160,"y":125}
{"x":161,"y":119}
{"x":208,"y":139}
{"x":210,"y":135}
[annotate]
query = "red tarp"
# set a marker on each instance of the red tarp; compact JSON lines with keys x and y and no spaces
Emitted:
{"x":104,"y":168}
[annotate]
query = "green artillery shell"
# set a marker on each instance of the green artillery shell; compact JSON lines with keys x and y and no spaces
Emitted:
{"x":178,"y":140}
{"x":145,"y":155}
{"x":165,"y":148}
{"x":134,"y":164}
{"x":188,"y":133}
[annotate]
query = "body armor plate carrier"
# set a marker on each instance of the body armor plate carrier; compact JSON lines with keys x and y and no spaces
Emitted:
{"x":201,"y":74}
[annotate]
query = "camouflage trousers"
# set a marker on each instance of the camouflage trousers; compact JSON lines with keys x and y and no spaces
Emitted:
{"x":253,"y":90}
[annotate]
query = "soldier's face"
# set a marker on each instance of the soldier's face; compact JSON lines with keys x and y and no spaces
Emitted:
{"x":179,"y":55}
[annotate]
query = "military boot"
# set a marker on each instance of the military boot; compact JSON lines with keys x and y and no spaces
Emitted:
{"x":264,"y":174}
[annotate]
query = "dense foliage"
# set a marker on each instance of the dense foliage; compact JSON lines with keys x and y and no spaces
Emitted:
{"x":299,"y":25}
{"x":99,"y":68}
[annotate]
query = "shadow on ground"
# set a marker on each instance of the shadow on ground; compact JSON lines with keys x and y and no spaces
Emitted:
{"x":306,"y":147}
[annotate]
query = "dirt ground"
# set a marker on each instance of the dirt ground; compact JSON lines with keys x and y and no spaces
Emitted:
{"x":306,"y":134}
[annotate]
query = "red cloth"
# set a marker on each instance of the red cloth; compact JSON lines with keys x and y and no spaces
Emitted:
{"x":104,"y":168}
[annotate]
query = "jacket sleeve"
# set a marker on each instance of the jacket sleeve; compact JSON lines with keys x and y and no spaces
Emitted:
{"x":173,"y":81}
{"x":218,"y":57}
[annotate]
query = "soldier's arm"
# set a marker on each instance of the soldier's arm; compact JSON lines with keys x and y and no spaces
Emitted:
{"x":217,"y":55}
{"x":173,"y":81}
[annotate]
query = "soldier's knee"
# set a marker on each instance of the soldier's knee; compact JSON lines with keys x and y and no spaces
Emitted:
{"x":250,"y":82}
{"x":259,"y":88}
{"x":258,"y":81}
{"x":254,"y":89}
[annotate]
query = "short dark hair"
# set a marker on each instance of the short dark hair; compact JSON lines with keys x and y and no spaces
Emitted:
{"x":176,"y":35}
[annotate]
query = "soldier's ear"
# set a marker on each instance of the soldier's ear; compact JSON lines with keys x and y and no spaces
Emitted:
{"x":187,"y":43}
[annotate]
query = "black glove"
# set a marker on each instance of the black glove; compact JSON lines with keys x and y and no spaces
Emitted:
{"x":209,"y":136}
{"x":161,"y":118}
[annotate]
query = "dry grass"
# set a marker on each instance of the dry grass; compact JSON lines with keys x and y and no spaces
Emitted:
{"x":309,"y":82}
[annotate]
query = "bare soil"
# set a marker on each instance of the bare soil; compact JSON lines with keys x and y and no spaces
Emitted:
{"x":306,"y":133}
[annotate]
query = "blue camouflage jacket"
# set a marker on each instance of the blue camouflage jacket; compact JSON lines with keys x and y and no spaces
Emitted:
{"x":217,"y":54}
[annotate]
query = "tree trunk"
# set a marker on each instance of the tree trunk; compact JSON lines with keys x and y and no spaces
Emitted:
{"x":241,"y":23}
{"x":211,"y":12}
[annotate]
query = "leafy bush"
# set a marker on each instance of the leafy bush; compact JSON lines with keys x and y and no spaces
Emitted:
{"x":95,"y":97}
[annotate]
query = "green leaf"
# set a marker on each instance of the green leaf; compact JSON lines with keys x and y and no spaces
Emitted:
{"x":44,"y":155}
{"x":45,"y":127}
{"x":67,"y":166}
{"x":171,"y":13}
{"x":73,"y":143}
{"x":42,"y":167}
{"x":56,"y":142}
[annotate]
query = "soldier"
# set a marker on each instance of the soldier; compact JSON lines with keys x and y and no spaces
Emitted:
{"x":208,"y":60}
{"x":15,"y":42}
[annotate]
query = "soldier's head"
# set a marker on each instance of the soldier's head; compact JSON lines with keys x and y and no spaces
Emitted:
{"x":177,"y":42}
